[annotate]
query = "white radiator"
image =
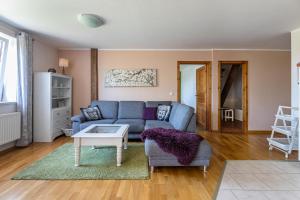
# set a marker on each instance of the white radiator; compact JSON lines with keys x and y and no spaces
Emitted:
{"x":10,"y":127}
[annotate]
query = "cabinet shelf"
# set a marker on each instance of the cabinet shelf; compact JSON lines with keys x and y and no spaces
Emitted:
{"x":286,"y":130}
{"x":283,"y":143}
{"x":61,"y":108}
{"x":286,"y":117}
{"x":58,"y":98}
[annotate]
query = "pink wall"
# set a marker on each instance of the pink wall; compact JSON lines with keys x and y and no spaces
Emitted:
{"x":164,"y":61}
{"x":81,"y":72}
{"x":268,"y":83}
{"x":44,"y":57}
{"x":269,"y":73}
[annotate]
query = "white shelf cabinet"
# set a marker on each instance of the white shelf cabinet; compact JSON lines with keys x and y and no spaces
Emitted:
{"x":52,"y":102}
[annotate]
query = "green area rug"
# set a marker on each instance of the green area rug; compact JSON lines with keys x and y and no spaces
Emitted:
{"x":97,"y":163}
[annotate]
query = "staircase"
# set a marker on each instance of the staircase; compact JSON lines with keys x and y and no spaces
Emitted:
{"x":233,"y":72}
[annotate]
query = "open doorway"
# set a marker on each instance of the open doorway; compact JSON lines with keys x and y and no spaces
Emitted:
{"x":233,"y":98}
{"x":194,"y":89}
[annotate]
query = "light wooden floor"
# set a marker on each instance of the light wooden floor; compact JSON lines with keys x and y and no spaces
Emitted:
{"x":165,"y":183}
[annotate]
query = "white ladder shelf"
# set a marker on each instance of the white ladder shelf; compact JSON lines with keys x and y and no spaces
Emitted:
{"x":285,"y":126}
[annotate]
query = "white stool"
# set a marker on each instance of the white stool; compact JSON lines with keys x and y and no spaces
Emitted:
{"x":223,"y":112}
{"x":229,"y":115}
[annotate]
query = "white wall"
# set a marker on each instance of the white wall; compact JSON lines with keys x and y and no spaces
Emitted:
{"x":295,"y":46}
{"x":188,"y":84}
{"x":8,"y":107}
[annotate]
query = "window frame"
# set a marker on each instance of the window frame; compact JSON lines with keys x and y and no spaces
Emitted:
{"x":3,"y":58}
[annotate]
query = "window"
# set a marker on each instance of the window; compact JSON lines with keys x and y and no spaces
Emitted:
{"x":8,"y":68}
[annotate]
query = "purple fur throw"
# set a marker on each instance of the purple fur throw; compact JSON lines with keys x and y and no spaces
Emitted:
{"x":181,"y":144}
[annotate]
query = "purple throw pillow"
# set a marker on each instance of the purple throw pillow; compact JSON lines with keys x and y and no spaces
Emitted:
{"x":150,"y":113}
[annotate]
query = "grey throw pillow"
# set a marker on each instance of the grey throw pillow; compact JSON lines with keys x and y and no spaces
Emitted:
{"x":91,"y":113}
{"x":163,"y":112}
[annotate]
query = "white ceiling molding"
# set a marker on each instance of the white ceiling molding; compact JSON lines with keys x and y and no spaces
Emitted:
{"x":88,"y":49}
{"x":252,"y":49}
{"x":74,"y":49}
{"x":154,"y":49}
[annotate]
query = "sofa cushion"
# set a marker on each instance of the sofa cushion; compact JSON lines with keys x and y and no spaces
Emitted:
{"x":102,"y":121}
{"x":108,"y":109}
{"x":135,"y":125}
{"x":91,"y":113}
{"x":150,"y":113}
{"x":131,"y":109}
{"x":157,"y":124}
{"x":163,"y":112}
{"x":157,"y":103}
{"x":180,"y":116}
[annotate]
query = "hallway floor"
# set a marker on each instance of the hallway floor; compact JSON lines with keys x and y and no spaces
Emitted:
{"x":232,"y":127}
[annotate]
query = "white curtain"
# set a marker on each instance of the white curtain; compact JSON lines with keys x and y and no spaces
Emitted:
{"x":24,"y":93}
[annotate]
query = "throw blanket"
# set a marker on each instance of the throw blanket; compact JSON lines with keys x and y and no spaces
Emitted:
{"x":181,"y":144}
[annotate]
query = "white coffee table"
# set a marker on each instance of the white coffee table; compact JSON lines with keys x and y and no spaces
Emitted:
{"x":102,"y":135}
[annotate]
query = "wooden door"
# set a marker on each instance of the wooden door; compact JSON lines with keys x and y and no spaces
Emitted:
{"x":201,"y":97}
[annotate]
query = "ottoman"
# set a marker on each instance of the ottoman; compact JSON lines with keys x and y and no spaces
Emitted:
{"x":158,"y":157}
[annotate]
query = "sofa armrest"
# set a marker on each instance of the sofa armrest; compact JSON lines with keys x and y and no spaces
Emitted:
{"x":78,"y":118}
{"x":192,"y":124}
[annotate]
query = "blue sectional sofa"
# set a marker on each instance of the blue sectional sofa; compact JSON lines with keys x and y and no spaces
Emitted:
{"x":182,"y":117}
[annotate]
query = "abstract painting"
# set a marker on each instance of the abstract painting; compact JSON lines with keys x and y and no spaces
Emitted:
{"x":131,"y":78}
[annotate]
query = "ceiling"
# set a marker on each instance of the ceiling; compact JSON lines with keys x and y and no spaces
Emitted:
{"x":159,"y":24}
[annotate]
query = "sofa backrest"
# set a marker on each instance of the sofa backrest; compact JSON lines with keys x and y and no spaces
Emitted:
{"x":131,"y":109}
{"x":180,"y":116}
{"x":109,"y":109}
{"x":157,"y":103}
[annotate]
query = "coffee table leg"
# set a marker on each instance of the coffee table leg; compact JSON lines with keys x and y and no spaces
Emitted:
{"x":119,"y":156}
{"x":126,"y":140}
{"x":77,"y":148}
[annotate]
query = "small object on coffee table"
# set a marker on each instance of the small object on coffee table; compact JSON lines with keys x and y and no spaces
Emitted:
{"x":102,"y":135}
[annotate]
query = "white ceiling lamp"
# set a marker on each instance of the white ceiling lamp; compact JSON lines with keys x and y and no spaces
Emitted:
{"x":90,"y":20}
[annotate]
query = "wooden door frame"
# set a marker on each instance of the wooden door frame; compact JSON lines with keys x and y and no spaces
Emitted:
{"x":244,"y":91}
{"x":208,"y":89}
